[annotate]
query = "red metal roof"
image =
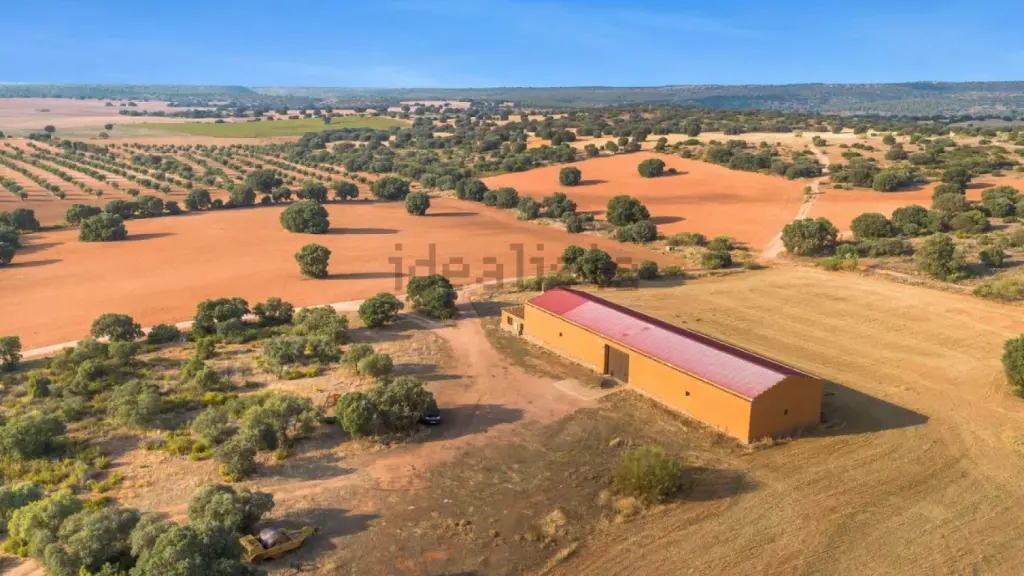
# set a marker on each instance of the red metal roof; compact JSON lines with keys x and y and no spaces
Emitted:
{"x":732,"y":368}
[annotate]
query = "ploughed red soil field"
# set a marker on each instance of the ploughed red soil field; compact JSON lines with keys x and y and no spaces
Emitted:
{"x":702,"y":197}
{"x":57,"y":285}
{"x":842,"y":206}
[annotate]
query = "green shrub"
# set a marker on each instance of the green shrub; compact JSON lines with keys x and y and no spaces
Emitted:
{"x":323,"y":323}
{"x":506,"y":198}
{"x":835,"y":263}
{"x":640,"y":233}
{"x":970,"y":222}
{"x":31,"y":435}
{"x":21,"y":219}
{"x":163,"y":334}
{"x":355,"y":353}
{"x":1013,"y":362}
{"x":134,"y":405}
{"x":36,"y":525}
{"x":345,"y":190}
{"x":102,"y":228}
{"x":213,"y":425}
{"x":647,"y":473}
{"x":938,"y":257}
{"x":992,"y":257}
{"x":79,"y":212}
{"x":392,"y":407}
{"x":687,"y":239}
{"x":10,"y":353}
{"x":380,"y":309}
{"x":307,"y":217}
{"x":647,"y":270}
{"x":16,"y":496}
{"x":211,"y":313}
{"x":527,"y":208}
{"x":595,"y":266}
{"x":1006,"y":288}
{"x":116,"y":327}
{"x":390,"y":188}
{"x":237,"y":509}
{"x":313,"y":260}
{"x":375,"y":365}
{"x":570,"y":176}
{"x":720,"y":244}
{"x":471,"y":189}
{"x":417,"y":203}
{"x":433,"y":296}
{"x":274,"y":312}
{"x":910,"y":220}
{"x":624,"y":210}
{"x":871,"y":225}
{"x":651,"y":168}
{"x":886,"y":247}
{"x":809,"y":237}
{"x":237,"y":458}
{"x":715,"y":259}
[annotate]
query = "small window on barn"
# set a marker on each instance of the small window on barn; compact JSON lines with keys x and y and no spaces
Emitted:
{"x":785,"y":412}
{"x":509,"y":320}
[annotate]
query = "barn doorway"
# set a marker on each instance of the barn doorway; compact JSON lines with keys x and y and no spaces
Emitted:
{"x":616,"y":363}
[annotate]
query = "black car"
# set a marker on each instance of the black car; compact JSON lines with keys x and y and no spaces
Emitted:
{"x":432,"y":417}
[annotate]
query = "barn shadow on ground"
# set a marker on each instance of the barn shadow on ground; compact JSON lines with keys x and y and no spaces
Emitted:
{"x":701,"y":484}
{"x":847,"y":411}
{"x":469,"y":419}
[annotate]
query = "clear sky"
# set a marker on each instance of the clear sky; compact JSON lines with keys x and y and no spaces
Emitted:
{"x":480,"y":43}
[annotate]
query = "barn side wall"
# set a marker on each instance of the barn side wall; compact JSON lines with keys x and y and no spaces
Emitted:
{"x":790,"y":405}
{"x":678,"y":390}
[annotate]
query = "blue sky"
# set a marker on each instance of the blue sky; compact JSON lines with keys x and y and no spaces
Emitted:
{"x":478,"y":43}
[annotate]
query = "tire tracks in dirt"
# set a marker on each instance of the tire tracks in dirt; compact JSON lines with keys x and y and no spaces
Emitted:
{"x":775,"y":247}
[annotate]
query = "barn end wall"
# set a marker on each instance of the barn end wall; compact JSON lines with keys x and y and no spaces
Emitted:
{"x":790,"y":405}
{"x":679,"y":391}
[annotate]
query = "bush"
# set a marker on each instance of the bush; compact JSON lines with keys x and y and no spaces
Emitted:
{"x":720,"y":244}
{"x":198,"y":199}
{"x":938,"y":257}
{"x":687,"y":239}
{"x":281,"y":351}
{"x":886,"y":247}
{"x":570,"y":255}
{"x":392,"y":407}
{"x":390,"y":188}
{"x":29,"y":436}
{"x":134,"y":405}
{"x":958,"y":176}
{"x":433,"y":296}
{"x":313,"y":260}
{"x":970,"y":222}
{"x":237,"y":458}
{"x":992,"y":257}
{"x":375,"y":365}
{"x":10,"y":352}
{"x":211,"y":313}
{"x":322,"y":322}
{"x":237,"y":509}
{"x":307,"y":217}
{"x":116,"y":327}
{"x":558,"y":205}
{"x":715,"y":259}
{"x":527,"y":209}
{"x":1013,"y":362}
{"x":473,"y":190}
{"x":274,"y":312}
{"x":570,"y":176}
{"x":651,"y":168}
{"x":871,"y":225}
{"x":21,"y":219}
{"x":379,"y":309}
{"x":206,"y":348}
{"x":910,"y":220}
{"x":647,"y":473}
{"x":640,"y":233}
{"x":78,"y":212}
{"x":624,"y":210}
{"x":17,"y":496}
{"x":92,"y":541}
{"x":595,"y":266}
{"x":193,"y":548}
{"x":355,"y":353}
{"x":102,"y":228}
{"x":163,"y":334}
{"x":344,"y":190}
{"x":1005,"y":288}
{"x":647,"y":270}
{"x":506,"y":198}
{"x":834,"y":263}
{"x":312,"y":190}
{"x":809,"y":237}
{"x":417,"y":203}
{"x":34,"y":526}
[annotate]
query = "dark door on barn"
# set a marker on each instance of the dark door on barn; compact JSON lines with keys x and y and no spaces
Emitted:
{"x":616,"y":363}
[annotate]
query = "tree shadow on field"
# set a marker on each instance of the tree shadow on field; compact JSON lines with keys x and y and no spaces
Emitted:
{"x":365,"y":276}
{"x":706,"y":484}
{"x":846,"y":411}
{"x":467,"y":419}
{"x":667,"y":174}
{"x":331,"y":523}
{"x":592,"y":182}
{"x":33,"y":263}
{"x":147,"y":236}
{"x":33,"y":247}
{"x":980,"y":185}
{"x":361,"y":231}
{"x":450,"y":214}
{"x":659,"y":220}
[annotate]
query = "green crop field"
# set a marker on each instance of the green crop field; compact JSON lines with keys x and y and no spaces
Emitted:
{"x":267,"y":129}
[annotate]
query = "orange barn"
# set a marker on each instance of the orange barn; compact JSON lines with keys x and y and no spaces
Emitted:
{"x":734,"y":390}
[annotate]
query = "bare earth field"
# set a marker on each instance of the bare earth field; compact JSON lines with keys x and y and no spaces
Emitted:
{"x":24,"y":114}
{"x":703,"y":197}
{"x":57,"y":285}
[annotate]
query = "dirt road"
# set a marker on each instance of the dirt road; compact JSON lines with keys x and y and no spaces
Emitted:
{"x":775,"y":247}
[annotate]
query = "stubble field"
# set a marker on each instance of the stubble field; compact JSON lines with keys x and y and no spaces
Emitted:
{"x":58,"y":285}
{"x":702,"y":197}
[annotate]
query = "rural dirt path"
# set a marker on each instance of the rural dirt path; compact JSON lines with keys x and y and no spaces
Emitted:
{"x":775,"y":247}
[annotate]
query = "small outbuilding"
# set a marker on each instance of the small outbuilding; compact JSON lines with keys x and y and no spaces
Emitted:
{"x":741,"y":393}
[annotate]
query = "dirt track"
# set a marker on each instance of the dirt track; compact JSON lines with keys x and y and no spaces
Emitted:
{"x":775,"y":247}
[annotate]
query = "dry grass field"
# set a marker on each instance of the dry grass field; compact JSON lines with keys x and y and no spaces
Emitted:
{"x":58,"y":285}
{"x":702,"y":197}
{"x":916,"y":471}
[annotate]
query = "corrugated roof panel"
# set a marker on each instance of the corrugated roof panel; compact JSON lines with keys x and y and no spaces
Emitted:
{"x":732,"y":368}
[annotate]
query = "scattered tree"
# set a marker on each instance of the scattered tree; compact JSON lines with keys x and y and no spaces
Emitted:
{"x":306,"y":216}
{"x":570,"y":176}
{"x":116,"y":327}
{"x":390,"y":188}
{"x":624,"y":210}
{"x":102,"y":228}
{"x":434,"y":296}
{"x":380,"y":309}
{"x":938,"y":257}
{"x":647,"y":473}
{"x":313,"y":260}
{"x":651,"y":168}
{"x":10,"y":353}
{"x":417,"y":203}
{"x":809,"y":237}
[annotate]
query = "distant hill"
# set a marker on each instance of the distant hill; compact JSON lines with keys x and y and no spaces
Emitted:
{"x":908,"y":99}
{"x":911,"y":98}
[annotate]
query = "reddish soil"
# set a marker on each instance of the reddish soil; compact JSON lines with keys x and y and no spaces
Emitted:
{"x":702,"y":197}
{"x":842,"y":206}
{"x":26,"y":113}
{"x":57,"y":285}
